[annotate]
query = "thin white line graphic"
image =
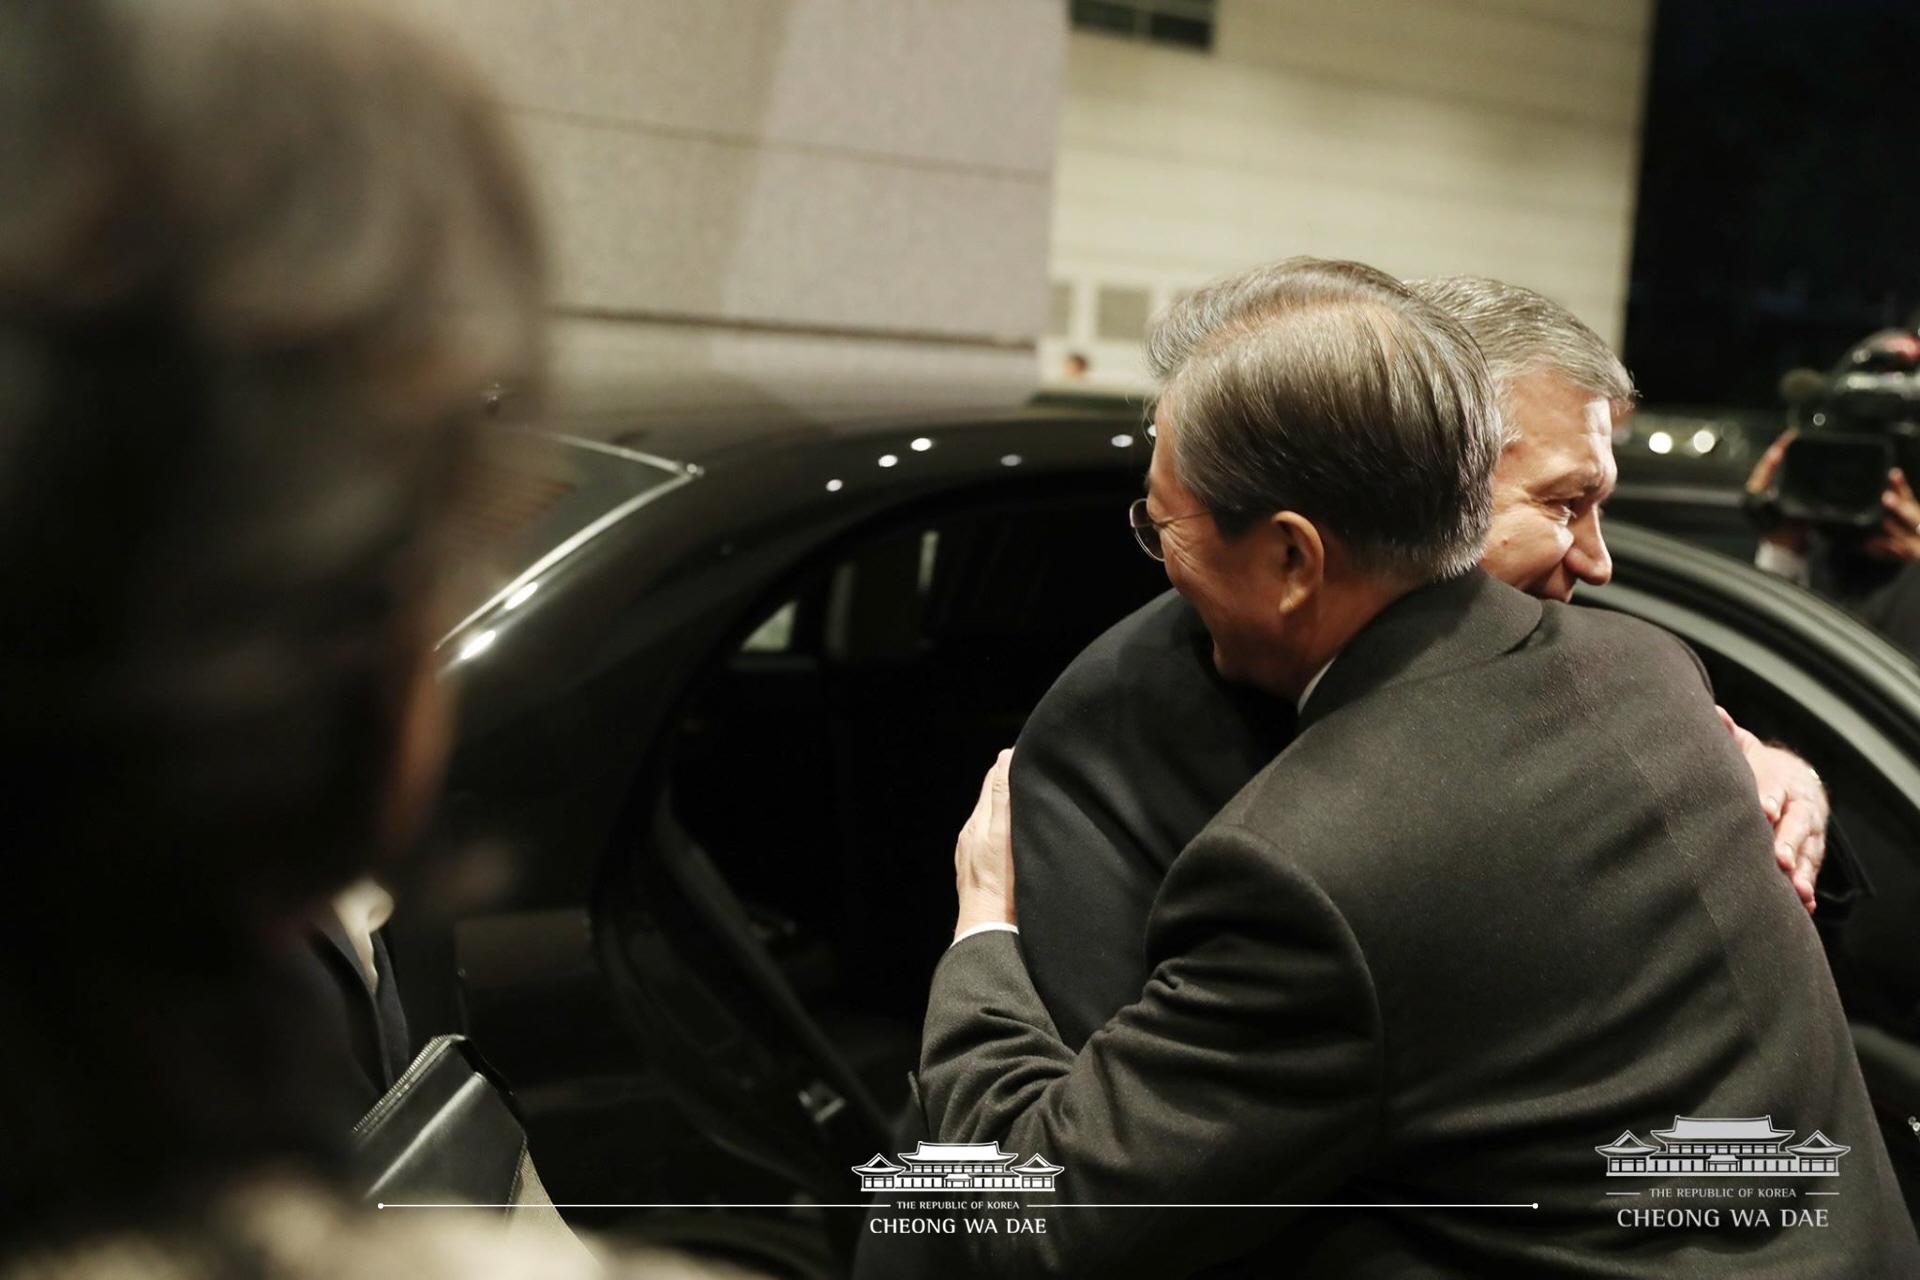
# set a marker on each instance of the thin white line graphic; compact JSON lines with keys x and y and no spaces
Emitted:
{"x":1030,"y":1205}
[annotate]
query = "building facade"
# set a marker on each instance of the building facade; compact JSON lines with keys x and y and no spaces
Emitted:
{"x":812,"y":205}
{"x":957,"y":1167}
{"x":1497,"y":137}
{"x":1722,"y":1148}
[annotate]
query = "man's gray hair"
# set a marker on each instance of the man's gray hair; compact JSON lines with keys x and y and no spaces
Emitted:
{"x":1331,"y":389}
{"x":1521,"y":332}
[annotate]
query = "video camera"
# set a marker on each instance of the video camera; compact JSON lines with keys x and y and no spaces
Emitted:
{"x":1856,"y":425}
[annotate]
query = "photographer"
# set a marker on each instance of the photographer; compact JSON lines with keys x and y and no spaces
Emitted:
{"x":1836,"y":510}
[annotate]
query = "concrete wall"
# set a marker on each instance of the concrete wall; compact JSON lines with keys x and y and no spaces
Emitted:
{"x":784,"y":203}
{"x":1499,"y":137}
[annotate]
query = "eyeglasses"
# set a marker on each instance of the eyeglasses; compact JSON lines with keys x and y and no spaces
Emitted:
{"x":1146,"y":530}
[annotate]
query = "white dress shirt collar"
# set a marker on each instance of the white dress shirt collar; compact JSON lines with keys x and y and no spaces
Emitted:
{"x":1300,"y":704}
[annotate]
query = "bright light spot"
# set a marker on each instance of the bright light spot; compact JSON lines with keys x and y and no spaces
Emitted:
{"x":1660,"y":442}
{"x":1012,"y":460}
{"x":520,"y":597}
{"x":477,"y":645}
{"x":921,"y":444}
{"x":889,"y":459}
{"x":1153,"y":432}
{"x":1704,"y":440}
{"x":1121,"y":441}
{"x":834,"y":486}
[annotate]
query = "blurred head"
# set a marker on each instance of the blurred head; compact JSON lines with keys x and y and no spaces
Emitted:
{"x":1561,"y":391}
{"x":1323,"y":442}
{"x":258,"y":259}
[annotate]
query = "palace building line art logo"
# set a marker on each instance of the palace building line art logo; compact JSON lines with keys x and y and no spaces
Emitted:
{"x":957,"y":1168}
{"x":1723,"y":1148}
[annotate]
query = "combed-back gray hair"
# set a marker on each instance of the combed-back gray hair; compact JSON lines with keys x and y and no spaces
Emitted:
{"x":1521,"y":332}
{"x":1331,"y":389}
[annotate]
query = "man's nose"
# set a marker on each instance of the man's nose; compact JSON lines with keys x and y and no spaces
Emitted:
{"x":1588,"y":557}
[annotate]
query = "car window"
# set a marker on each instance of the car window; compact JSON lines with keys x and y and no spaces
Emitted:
{"x":866,"y":702}
{"x":775,"y":635}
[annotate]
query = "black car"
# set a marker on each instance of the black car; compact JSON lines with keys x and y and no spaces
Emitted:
{"x":728,"y":693}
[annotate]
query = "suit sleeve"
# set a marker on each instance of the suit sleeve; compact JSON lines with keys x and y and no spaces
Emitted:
{"x":1083,"y":888}
{"x":1249,"y":1072}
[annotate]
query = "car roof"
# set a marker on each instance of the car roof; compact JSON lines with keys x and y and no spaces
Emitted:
{"x":704,"y":435}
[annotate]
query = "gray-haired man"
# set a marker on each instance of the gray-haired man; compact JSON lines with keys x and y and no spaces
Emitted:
{"x":1505,"y":891}
{"x":1142,"y":740}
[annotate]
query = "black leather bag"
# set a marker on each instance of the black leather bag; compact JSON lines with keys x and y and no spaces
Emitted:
{"x":445,"y":1133}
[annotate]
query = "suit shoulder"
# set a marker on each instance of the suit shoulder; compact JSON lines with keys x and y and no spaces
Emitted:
{"x":1157,"y":654}
{"x":1617,"y":638}
{"x":1163,"y":630}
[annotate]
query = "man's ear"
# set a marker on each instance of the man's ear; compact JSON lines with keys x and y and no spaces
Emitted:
{"x":1298,"y":559}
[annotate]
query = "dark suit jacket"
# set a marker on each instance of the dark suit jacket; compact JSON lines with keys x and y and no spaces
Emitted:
{"x":366,"y":1030}
{"x":1526,"y":904}
{"x":1135,"y":747}
{"x":1133,"y":750}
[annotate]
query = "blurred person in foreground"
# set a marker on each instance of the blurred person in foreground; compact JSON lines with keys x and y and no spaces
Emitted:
{"x":257,"y":261}
{"x":1141,"y":740}
{"x":1505,"y":894}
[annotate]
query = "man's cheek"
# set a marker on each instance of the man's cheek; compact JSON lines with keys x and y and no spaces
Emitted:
{"x":1497,"y":558}
{"x":1534,"y":555}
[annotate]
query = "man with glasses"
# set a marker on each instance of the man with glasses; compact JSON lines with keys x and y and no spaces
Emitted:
{"x":1141,"y":740}
{"x":1146,"y":530}
{"x":1502,"y":898}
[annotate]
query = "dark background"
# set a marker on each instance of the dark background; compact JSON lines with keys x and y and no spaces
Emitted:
{"x":1779,"y":208}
